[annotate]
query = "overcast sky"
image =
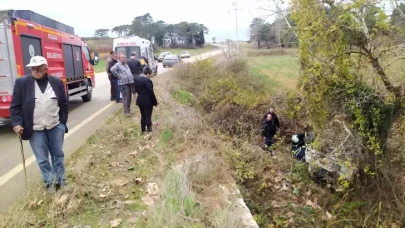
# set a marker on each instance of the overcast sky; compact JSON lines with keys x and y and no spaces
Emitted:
{"x":88,"y":15}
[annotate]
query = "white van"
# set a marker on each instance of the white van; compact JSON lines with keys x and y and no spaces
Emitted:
{"x":128,"y":45}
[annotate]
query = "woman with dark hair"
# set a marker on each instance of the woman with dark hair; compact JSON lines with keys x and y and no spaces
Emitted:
{"x":146,"y":98}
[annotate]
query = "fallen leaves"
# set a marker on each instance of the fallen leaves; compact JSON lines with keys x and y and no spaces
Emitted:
{"x":102,"y":195}
{"x":62,"y":199}
{"x":115,"y":222}
{"x":35,"y":203}
{"x":138,"y":180}
{"x":290,"y":214}
{"x":152,"y":194}
{"x":119,"y":182}
{"x":328,"y":215}
{"x":276,"y":204}
{"x":129,"y":202}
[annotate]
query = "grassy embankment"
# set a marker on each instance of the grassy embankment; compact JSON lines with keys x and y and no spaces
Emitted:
{"x":278,"y":190}
{"x":104,"y":172}
{"x":179,"y":167}
{"x":206,"y":130}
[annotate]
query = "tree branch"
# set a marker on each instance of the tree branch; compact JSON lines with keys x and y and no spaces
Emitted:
{"x":380,"y":71}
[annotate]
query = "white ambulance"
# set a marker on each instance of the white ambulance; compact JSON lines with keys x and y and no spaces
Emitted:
{"x":128,"y":45}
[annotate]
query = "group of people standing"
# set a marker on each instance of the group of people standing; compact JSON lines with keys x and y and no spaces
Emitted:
{"x":131,"y":79}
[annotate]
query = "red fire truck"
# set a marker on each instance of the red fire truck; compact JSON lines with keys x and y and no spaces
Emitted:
{"x":24,"y":34}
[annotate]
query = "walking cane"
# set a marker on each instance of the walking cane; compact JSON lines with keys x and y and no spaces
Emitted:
{"x":23,"y":159}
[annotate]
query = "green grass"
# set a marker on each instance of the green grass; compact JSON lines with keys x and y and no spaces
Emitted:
{"x":179,"y":207}
{"x":100,"y":67}
{"x":183,"y":97}
{"x":166,"y":135}
{"x":281,"y":70}
{"x":193,"y":52}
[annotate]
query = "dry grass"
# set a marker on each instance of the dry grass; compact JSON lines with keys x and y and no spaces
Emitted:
{"x":182,"y":159}
{"x":278,"y":190}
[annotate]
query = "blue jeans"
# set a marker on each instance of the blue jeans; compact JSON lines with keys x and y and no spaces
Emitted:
{"x":50,"y":142}
{"x":117,"y":90}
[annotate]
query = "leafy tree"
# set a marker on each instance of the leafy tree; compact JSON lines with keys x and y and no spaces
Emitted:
{"x":181,"y":33}
{"x":254,"y":28}
{"x":345,"y":57}
{"x":3,"y":15}
{"x":158,"y":29}
{"x":121,"y":30}
{"x":101,"y":32}
{"x":214,"y":39}
{"x":270,"y":34}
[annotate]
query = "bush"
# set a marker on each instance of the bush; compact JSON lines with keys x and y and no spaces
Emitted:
{"x":235,"y":100}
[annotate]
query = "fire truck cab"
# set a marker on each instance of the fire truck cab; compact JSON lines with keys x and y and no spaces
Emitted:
{"x":128,"y":45}
{"x":24,"y":34}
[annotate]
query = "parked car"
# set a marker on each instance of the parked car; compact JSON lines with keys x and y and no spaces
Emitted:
{"x":162,"y":56}
{"x":171,"y":60}
{"x":185,"y":54}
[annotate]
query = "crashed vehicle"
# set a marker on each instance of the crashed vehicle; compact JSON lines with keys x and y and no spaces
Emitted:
{"x":325,"y":168}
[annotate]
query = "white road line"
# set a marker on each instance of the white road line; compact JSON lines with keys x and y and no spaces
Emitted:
{"x":14,"y":171}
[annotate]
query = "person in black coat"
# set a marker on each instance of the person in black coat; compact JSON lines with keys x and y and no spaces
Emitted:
{"x":114,"y":78}
{"x":135,"y":66}
{"x":273,"y":116}
{"x":146,"y":98}
{"x":268,"y":131}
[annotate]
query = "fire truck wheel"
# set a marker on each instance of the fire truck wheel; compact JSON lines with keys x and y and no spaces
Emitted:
{"x":87,"y":97}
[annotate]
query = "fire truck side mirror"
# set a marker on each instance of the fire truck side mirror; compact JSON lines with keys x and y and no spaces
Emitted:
{"x":96,"y":58}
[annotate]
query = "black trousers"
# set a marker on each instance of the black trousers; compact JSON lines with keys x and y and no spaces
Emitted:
{"x":146,"y":117}
{"x":112,"y":90}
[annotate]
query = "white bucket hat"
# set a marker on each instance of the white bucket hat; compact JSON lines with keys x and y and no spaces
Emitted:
{"x":37,"y":61}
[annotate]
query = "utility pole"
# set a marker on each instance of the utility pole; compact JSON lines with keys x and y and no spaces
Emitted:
{"x":236,"y":18}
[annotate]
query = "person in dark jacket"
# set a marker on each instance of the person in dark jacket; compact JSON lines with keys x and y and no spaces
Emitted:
{"x":268,"y":131}
{"x":134,"y":65}
{"x":146,"y":99}
{"x":274,"y":117}
{"x":39,"y":112}
{"x":136,"y":69}
{"x":114,"y":78}
{"x":112,"y":90}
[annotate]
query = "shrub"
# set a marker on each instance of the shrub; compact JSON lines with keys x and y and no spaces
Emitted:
{"x":236,"y":100}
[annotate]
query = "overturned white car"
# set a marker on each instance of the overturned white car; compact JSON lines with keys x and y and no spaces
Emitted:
{"x":325,"y":167}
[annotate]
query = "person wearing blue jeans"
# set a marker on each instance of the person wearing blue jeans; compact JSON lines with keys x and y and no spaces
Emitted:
{"x":50,"y":140}
{"x":39,"y":112}
{"x":117,"y":90}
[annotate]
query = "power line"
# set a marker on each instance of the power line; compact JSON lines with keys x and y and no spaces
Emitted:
{"x":236,"y":22}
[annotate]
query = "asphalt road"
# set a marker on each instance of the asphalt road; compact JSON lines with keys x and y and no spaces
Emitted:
{"x":84,"y":119}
